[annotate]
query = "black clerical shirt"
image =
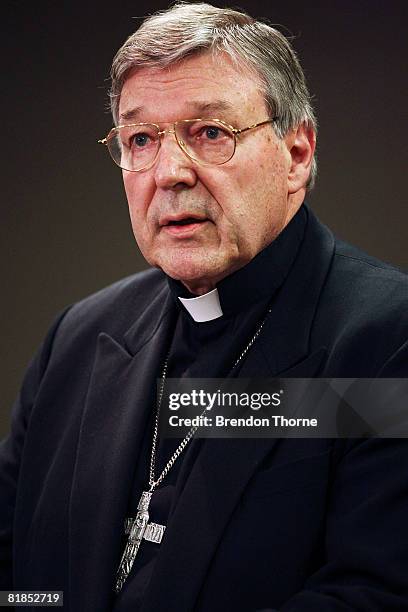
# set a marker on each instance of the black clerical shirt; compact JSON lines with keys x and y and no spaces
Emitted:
{"x":205,"y":350}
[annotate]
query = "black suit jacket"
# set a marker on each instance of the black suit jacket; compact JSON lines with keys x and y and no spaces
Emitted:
{"x":297,"y":525}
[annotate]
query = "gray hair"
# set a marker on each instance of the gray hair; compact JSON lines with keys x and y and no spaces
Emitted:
{"x":188,"y":29}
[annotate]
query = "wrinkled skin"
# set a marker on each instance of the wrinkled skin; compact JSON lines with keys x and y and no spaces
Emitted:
{"x":244,"y":203}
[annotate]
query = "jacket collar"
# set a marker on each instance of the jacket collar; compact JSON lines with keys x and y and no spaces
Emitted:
{"x":261,"y":277}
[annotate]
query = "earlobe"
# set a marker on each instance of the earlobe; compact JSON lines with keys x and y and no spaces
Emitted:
{"x":302,"y":144}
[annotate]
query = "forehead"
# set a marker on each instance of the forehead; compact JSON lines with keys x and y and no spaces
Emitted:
{"x":199,"y":86}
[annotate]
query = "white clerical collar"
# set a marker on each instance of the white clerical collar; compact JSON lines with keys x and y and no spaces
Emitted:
{"x":203,"y":308}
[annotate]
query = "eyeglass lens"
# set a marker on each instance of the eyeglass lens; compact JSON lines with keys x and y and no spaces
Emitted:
{"x":135,"y":147}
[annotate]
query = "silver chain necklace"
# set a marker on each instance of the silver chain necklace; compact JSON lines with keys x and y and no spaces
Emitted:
{"x":139,"y":528}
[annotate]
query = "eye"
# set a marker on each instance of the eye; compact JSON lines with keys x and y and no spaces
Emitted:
{"x":140,"y":140}
{"x":208,"y":132}
{"x":212,"y":132}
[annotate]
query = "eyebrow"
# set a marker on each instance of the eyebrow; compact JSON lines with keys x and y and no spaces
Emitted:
{"x":199,"y":107}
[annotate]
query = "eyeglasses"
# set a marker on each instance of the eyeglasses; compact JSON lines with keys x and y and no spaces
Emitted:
{"x":208,"y":142}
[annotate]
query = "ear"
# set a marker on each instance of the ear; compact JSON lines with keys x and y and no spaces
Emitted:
{"x":301,"y":144}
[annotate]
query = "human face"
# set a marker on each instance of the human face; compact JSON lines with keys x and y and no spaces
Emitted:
{"x":237,"y":208}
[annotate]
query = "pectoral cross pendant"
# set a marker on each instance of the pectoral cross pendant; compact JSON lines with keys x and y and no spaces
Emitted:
{"x":138,"y":529}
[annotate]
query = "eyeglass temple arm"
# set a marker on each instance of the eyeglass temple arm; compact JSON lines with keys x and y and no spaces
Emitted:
{"x":251,"y":127}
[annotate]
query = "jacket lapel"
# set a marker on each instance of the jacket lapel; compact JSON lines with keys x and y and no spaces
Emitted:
{"x":123,"y":382}
{"x":208,"y":492}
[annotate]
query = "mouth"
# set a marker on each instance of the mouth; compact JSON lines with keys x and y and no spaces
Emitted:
{"x":183,"y":224}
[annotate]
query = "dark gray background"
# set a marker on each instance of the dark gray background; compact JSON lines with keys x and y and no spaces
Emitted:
{"x":65,"y":229}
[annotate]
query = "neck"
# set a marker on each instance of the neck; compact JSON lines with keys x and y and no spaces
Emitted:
{"x":199,"y":287}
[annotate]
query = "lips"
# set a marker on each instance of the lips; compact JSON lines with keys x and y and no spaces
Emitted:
{"x":181,"y":220}
{"x":183,"y":225}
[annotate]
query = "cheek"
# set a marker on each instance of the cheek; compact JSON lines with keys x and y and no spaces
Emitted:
{"x":138,"y":195}
{"x":260,"y":198}
{"x":263,"y":177}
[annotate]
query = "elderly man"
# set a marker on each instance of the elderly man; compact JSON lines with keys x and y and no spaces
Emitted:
{"x":215,"y":136}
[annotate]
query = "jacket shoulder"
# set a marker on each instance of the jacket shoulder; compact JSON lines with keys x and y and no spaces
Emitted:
{"x":357,"y":260}
{"x":113,"y":308}
{"x":366,"y":283}
{"x":363,"y":311}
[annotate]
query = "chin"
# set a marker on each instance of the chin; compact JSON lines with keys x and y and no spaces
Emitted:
{"x":185,"y":265}
{"x":196,"y":267}
{"x":198,"y":279}
{"x":187,"y":274}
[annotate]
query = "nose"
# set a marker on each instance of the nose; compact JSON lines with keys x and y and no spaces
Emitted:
{"x":173,"y":169}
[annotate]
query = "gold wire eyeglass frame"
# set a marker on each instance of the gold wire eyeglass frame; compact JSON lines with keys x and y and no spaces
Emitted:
{"x":161,"y":133}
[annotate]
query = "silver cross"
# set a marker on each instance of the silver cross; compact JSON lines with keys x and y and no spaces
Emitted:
{"x":138,"y":529}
